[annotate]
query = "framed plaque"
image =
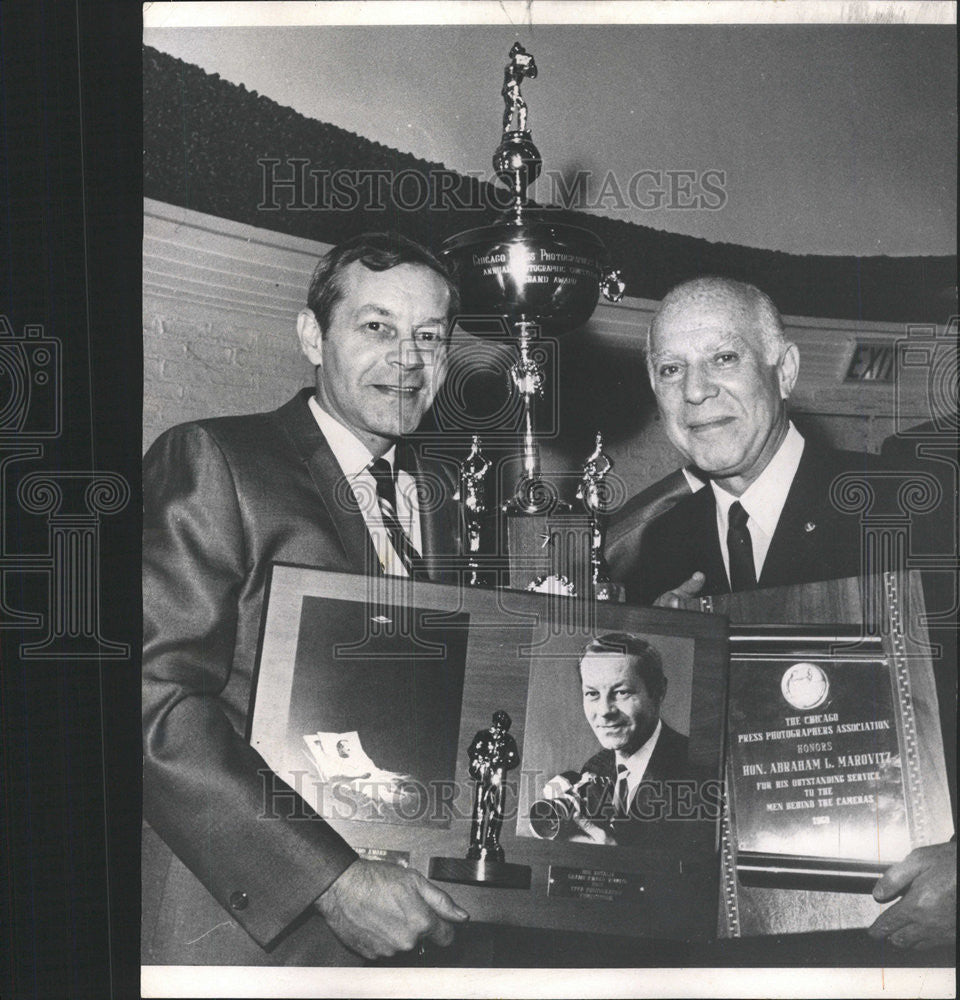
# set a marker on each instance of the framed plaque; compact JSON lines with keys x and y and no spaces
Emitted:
{"x":835,"y":766}
{"x":819,"y":793}
{"x":456,"y":730}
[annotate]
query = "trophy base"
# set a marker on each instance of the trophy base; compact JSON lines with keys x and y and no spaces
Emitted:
{"x":549,"y":545}
{"x":493,"y":874}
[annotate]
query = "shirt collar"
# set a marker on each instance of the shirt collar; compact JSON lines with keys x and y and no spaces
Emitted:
{"x":694,"y":481}
{"x":764,"y":498}
{"x":352,"y":455}
{"x":637,"y":762}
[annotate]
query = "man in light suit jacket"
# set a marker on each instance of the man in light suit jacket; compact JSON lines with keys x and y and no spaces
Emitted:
{"x":224,"y":498}
{"x":722,"y":372}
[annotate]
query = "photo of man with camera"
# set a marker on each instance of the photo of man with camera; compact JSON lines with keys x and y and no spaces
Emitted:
{"x":622,"y":684}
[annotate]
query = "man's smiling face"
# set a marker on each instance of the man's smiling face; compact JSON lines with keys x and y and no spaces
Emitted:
{"x":382,"y":356}
{"x":720,"y":395}
{"x":621,"y":711}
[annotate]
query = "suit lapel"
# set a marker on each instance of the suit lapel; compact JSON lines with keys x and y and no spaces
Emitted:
{"x":607,"y":765}
{"x":439,"y":514}
{"x":655,"y":765}
{"x":333,"y":491}
{"x":704,"y":543}
{"x":668,"y":755}
{"x":796,"y":541}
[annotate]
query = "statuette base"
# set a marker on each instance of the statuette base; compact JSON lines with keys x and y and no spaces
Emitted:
{"x":493,"y":874}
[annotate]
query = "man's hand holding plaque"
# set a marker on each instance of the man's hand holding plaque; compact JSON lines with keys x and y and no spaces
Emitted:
{"x":925,"y":916}
{"x":380,"y":909}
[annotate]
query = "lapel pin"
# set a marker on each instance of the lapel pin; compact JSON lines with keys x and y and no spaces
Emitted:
{"x":808,"y":527}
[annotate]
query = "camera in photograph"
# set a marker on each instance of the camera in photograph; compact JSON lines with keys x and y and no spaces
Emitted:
{"x":569,"y":798}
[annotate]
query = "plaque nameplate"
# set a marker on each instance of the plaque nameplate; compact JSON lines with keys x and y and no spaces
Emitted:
{"x":594,"y":884}
{"x":401,"y":858}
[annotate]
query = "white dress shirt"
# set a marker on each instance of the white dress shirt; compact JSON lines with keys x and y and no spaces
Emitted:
{"x":354,"y":458}
{"x":636,"y":764}
{"x":763,"y":500}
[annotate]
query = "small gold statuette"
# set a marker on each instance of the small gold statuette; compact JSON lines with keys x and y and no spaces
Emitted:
{"x":492,"y":753}
{"x":520,"y":66}
{"x":472,"y":495}
{"x":594,"y":491}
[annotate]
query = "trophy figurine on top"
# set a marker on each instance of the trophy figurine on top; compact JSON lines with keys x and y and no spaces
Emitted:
{"x":593,"y":491}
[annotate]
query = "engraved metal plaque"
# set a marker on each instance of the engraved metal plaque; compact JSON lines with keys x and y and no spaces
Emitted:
{"x":593,"y":884}
{"x":817,"y":774}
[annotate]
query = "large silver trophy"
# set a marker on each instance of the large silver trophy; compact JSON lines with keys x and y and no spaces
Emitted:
{"x":540,"y":275}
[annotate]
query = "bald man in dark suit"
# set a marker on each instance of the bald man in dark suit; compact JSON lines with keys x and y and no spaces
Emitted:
{"x":771,"y":515}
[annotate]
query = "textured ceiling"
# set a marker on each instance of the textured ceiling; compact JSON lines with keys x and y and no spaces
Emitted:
{"x":831,"y":139}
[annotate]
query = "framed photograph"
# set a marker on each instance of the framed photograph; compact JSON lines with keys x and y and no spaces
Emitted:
{"x":480,"y":736}
{"x":562,"y":740}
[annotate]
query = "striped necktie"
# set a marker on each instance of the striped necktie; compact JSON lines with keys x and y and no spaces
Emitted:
{"x":387,"y":499}
{"x":622,"y":792}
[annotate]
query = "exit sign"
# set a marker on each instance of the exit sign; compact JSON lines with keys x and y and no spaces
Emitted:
{"x":871,"y":361}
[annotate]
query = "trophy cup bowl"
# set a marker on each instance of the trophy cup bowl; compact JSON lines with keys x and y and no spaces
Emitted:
{"x":541,"y":277}
{"x":528,"y":269}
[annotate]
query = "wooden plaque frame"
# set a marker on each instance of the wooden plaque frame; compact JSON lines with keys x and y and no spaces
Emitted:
{"x":667,"y":889}
{"x":877,"y":619}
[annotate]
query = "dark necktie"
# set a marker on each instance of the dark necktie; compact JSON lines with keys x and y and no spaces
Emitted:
{"x":740,"y":550}
{"x":387,"y":499}
{"x":622,"y":791}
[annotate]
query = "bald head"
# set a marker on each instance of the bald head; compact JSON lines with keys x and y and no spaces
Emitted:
{"x":753,"y":307}
{"x":722,"y":371}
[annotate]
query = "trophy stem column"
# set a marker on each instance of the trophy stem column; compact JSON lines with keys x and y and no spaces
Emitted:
{"x":531,"y":454}
{"x":527,"y":376}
